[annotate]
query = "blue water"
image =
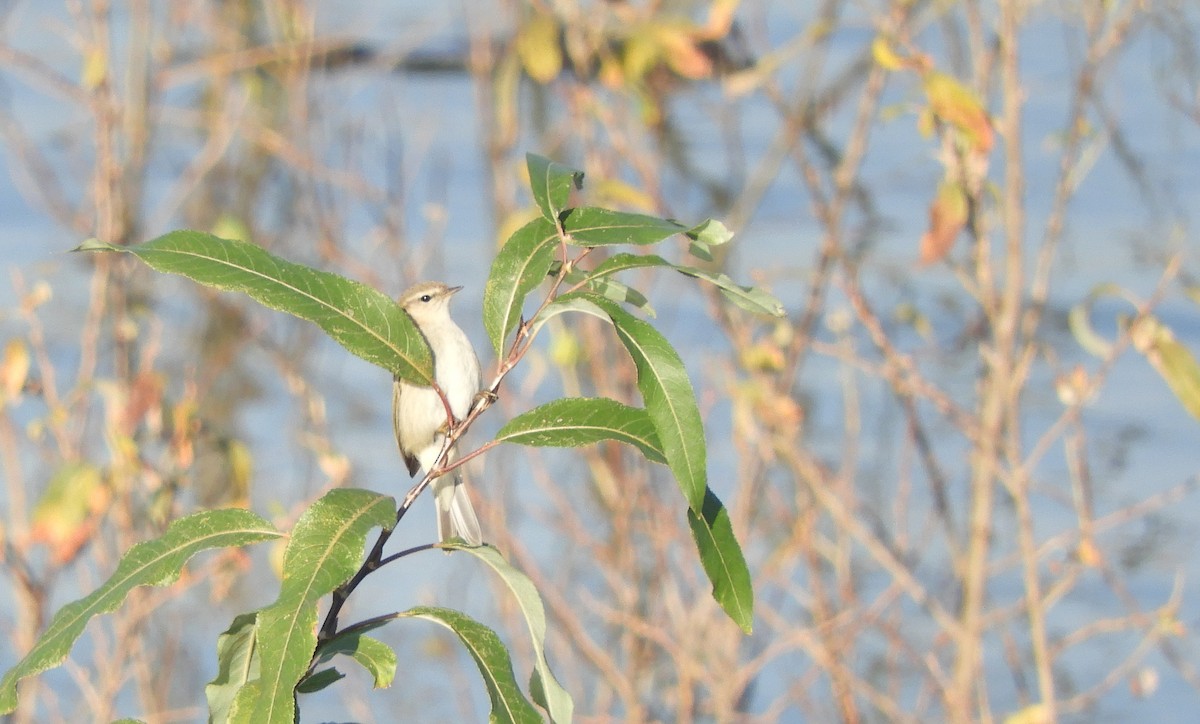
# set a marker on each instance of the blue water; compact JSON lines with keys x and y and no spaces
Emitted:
{"x":420,"y":137}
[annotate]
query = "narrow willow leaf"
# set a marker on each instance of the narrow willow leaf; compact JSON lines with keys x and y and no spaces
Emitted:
{"x":575,"y":421}
{"x":1079,"y":319}
{"x":324,"y":552}
{"x":517,"y":270}
{"x":751,"y":299}
{"x":318,"y":680}
{"x":607,"y":288}
{"x":241,"y":711}
{"x":705,"y":236}
{"x":365,"y":321}
{"x":669,"y":399}
{"x":372,"y":654}
{"x":237,"y":665}
{"x":565,"y":304}
{"x":151,"y":563}
{"x":491,"y":656}
{"x":551,"y":184}
{"x":1173,"y":361}
{"x":545,"y":689}
{"x":723,"y":562}
{"x":592,"y":226}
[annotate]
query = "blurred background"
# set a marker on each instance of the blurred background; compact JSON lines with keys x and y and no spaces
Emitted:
{"x":962,"y":469}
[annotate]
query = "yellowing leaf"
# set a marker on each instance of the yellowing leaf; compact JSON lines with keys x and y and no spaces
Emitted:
{"x":1171,"y":359}
{"x":947,"y":216}
{"x":1032,"y":714}
{"x":14,"y":370}
{"x":614,"y":192}
{"x":62,"y":518}
{"x":957,"y":105}
{"x":1089,"y":553}
{"x":642,"y":53}
{"x":681,"y":53}
{"x":538,"y":48}
{"x":241,"y":473}
{"x":95,"y":67}
{"x":885,"y":56}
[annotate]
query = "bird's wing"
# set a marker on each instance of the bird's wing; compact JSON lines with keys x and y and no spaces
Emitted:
{"x":409,"y":459}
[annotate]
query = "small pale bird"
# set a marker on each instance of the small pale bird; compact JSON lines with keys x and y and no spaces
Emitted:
{"x":418,"y":416}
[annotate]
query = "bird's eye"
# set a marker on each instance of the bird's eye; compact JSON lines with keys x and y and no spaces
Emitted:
{"x":426,"y":297}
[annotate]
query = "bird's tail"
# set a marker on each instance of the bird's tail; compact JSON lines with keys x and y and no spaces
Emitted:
{"x":455,"y":514}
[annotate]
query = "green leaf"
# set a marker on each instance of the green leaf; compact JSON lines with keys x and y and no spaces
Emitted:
{"x":1079,"y":319}
{"x":751,"y":299}
{"x":1173,"y":361}
{"x":571,"y":422}
{"x":545,"y":689}
{"x":363,"y":320}
{"x":669,"y":399}
{"x":151,"y":563}
{"x":723,"y":562}
{"x":608,"y":288}
{"x":709,"y":233}
{"x":372,"y":654}
{"x":324,"y":552}
{"x":592,"y":226}
{"x":241,"y":711}
{"x":624,"y":261}
{"x":495,"y":665}
{"x":551,"y":184}
{"x":237,"y":664}
{"x":518,"y":269}
{"x":318,"y":680}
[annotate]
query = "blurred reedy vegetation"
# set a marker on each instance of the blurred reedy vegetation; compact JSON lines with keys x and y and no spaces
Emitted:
{"x":933,"y":536}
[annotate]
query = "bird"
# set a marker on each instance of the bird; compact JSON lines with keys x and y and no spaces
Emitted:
{"x":419,"y":417}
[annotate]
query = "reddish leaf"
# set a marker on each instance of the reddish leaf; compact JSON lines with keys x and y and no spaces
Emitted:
{"x":957,"y":105}
{"x":947,"y":216}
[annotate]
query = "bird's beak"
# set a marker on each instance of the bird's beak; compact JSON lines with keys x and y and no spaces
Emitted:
{"x":454,"y":290}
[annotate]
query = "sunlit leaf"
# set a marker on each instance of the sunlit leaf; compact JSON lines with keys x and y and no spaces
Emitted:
{"x":61,"y":518}
{"x":491,"y":656}
{"x":1037,"y":713}
{"x":325,"y":550}
{"x":518,"y":269}
{"x":151,"y":563}
{"x":14,"y":370}
{"x":752,"y":299}
{"x":95,"y":66}
{"x":959,"y":106}
{"x":363,"y":320}
{"x":705,"y":236}
{"x":668,"y":397}
{"x":1171,"y":359}
{"x":886,"y":56}
{"x":723,"y":561}
{"x":544,"y":688}
{"x":576,"y":421}
{"x":749,"y":298}
{"x":539,"y":49}
{"x":566,"y":304}
{"x":947,"y":217}
{"x":591,"y":226}
{"x":681,"y":52}
{"x":551,"y":183}
{"x":609,"y":288}
{"x":1079,"y":319}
